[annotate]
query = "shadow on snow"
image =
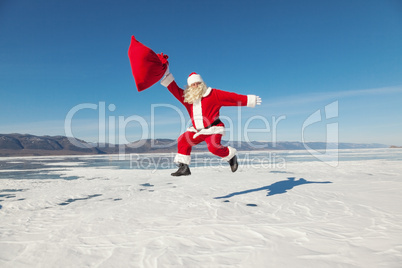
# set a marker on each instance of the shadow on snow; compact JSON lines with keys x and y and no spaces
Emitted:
{"x":279,"y":187}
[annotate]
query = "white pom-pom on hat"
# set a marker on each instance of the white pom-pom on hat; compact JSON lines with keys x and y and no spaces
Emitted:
{"x":194,"y":78}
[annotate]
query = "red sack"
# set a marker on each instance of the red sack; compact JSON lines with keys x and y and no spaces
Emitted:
{"x":148,"y":67}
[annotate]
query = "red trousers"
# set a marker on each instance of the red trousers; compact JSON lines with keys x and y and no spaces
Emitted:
{"x":186,"y":141}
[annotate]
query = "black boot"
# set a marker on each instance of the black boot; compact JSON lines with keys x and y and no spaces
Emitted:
{"x":183,"y":170}
{"x":233,"y":163}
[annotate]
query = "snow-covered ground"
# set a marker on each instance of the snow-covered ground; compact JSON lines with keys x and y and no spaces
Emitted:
{"x":292,"y":214}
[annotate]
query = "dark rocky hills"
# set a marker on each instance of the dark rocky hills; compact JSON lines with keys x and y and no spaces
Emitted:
{"x":31,"y":145}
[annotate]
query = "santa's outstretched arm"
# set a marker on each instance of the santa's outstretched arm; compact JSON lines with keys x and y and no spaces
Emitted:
{"x":233,"y":99}
{"x":168,"y":81}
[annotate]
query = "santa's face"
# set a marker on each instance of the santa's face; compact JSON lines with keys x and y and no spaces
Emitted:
{"x":195,"y":85}
{"x":194,"y":92}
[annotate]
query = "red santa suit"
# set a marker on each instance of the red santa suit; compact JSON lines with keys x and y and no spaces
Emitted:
{"x":204,"y":114}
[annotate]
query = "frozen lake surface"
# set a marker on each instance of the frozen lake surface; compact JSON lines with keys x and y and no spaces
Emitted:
{"x":280,"y":209}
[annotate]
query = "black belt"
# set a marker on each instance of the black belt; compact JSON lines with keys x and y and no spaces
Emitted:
{"x":217,"y":121}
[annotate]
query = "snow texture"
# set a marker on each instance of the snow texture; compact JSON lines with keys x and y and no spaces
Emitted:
{"x":304,"y":214}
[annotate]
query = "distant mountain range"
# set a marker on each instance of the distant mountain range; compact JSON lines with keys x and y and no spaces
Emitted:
{"x":30,"y":145}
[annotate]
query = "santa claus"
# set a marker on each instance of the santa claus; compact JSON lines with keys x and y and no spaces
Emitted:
{"x":203,"y":104}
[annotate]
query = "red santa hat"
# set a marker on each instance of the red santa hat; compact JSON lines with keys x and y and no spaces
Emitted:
{"x":194,"y":78}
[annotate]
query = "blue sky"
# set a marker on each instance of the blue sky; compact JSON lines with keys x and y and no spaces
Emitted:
{"x":299,"y":56}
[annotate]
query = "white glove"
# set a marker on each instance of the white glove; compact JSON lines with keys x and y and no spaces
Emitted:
{"x":258,"y":100}
{"x":167,"y":72}
{"x":167,"y":78}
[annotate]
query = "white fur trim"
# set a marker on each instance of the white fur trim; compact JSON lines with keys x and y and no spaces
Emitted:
{"x":232,"y":153}
{"x":251,"y":100}
{"x":194,"y":78}
{"x":210,"y":131}
{"x":167,"y":79}
{"x":191,"y":129}
{"x":197,"y":115}
{"x":207,"y":92}
{"x":182,"y":158}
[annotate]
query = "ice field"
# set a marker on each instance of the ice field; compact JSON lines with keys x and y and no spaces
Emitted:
{"x":283,"y":209}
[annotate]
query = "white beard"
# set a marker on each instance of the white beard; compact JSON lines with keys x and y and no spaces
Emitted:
{"x":192,"y":94}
